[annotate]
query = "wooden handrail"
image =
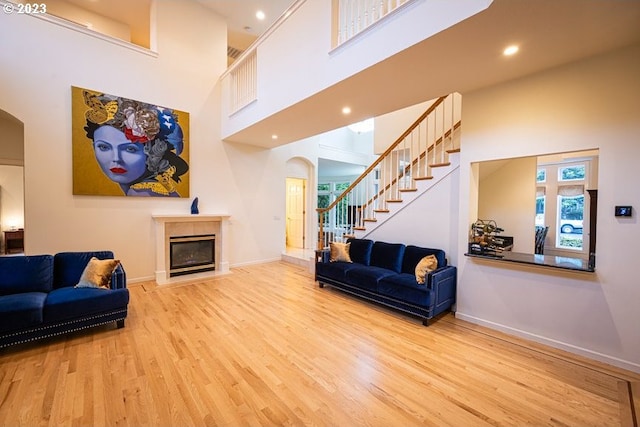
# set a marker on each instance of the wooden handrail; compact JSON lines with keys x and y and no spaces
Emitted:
{"x":382,"y":156}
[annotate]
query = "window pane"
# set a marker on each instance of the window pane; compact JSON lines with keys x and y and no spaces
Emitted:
{"x":540,"y":210}
{"x":542,"y":175}
{"x":571,"y":222}
{"x":571,"y":173}
{"x":323,"y":187}
{"x":323,"y":200}
{"x":341,"y":186}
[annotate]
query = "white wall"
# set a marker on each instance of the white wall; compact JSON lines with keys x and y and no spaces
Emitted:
{"x":11,"y":197}
{"x":11,"y":141}
{"x":585,"y":105}
{"x":508,"y":196}
{"x":11,"y":172}
{"x":430,"y":221}
{"x":389,"y":127}
{"x":39,"y":67}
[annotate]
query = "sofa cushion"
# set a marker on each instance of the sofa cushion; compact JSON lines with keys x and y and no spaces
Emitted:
{"x":366,"y":277}
{"x":413,"y":255}
{"x":404,"y":287}
{"x":334,"y":270}
{"x":72,"y":303}
{"x":33,"y":273}
{"x":68,"y":266}
{"x":339,"y":252}
{"x":19,"y":311}
{"x":387,"y":255}
{"x":97,"y":274}
{"x":360,"y":250}
{"x":424,"y":267}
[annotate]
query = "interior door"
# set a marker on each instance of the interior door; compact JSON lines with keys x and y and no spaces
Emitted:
{"x":295,"y":212}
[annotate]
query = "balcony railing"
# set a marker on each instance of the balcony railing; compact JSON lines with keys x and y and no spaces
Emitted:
{"x":244,"y":82}
{"x":351,"y":17}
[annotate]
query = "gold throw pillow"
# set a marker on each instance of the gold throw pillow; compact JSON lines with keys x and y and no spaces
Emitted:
{"x":97,"y":274}
{"x":424,"y":267}
{"x":340,"y":252}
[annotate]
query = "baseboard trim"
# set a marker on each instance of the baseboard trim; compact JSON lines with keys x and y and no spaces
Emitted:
{"x":611,"y":360}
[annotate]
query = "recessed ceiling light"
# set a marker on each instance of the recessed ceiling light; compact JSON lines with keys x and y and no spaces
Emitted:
{"x":260,"y":15}
{"x":511,"y":50}
{"x":274,"y":136}
{"x":346,"y":110}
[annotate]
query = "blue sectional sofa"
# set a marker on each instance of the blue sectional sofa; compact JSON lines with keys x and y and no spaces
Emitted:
{"x":38,"y":297}
{"x":385,"y":273}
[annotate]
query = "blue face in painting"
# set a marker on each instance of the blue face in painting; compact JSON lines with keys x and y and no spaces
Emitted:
{"x":121,"y":160}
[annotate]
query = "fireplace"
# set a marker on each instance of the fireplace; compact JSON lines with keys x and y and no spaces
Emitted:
{"x":191,"y":254}
{"x":215,"y":228}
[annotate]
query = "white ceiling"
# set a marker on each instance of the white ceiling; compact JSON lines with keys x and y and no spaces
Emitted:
{"x":242,"y":24}
{"x":463,"y":58}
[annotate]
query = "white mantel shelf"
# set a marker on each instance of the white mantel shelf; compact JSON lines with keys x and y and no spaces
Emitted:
{"x":167,"y":225}
{"x":189,"y":218}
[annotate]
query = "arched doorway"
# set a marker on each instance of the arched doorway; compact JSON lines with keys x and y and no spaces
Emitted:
{"x":11,"y":184}
{"x":299,"y":209}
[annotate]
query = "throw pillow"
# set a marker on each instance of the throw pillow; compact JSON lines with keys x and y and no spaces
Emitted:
{"x":97,"y":273}
{"x":340,"y":252}
{"x":424,"y":267}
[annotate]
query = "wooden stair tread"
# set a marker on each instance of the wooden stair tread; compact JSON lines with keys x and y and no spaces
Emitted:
{"x":394,"y":200}
{"x":406,"y":190}
{"x":359,"y":228}
{"x":349,"y":236}
{"x":453,"y":150}
{"x":370,"y":220}
{"x":419,"y":178}
{"x":381,"y":210}
{"x":440,"y":165}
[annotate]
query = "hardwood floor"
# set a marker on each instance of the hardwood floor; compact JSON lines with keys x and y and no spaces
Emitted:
{"x":265,"y":346}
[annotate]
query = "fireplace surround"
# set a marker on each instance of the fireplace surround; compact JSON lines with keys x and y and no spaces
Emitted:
{"x":183,"y":228}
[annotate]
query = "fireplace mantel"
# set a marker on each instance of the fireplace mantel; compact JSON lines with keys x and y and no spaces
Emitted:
{"x":167,"y":225}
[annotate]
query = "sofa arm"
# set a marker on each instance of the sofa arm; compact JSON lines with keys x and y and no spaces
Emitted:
{"x":443,"y":283}
{"x":323,"y":255}
{"x":119,"y":278}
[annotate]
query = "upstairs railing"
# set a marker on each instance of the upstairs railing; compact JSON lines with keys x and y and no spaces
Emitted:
{"x":244,"y":82}
{"x":425,"y":145}
{"x":351,"y":17}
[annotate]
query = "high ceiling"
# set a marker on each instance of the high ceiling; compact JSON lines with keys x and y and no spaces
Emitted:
{"x":243,"y":26}
{"x":463,"y":58}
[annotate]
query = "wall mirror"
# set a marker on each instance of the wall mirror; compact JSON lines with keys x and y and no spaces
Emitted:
{"x":547,"y":203}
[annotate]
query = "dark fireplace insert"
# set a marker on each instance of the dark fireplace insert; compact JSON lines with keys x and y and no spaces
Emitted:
{"x":191,"y":254}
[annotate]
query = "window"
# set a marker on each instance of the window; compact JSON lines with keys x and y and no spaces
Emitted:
{"x":571,"y":173}
{"x":542,"y":175}
{"x":337,"y":220}
{"x":560,"y":203}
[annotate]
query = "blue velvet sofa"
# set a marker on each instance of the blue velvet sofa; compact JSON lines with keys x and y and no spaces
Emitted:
{"x":38,"y":298}
{"x":385,"y":273}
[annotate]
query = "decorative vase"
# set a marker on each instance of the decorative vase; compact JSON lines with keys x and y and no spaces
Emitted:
{"x":194,"y":207}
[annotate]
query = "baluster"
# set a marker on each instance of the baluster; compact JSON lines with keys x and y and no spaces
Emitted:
{"x":444,"y":131}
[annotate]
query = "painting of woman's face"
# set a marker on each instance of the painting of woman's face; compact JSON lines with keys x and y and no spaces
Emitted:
{"x":121,"y":160}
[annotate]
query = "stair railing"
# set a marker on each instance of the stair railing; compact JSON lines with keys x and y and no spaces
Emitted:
{"x":425,"y":144}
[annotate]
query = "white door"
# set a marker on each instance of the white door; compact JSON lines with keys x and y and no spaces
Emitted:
{"x":295,"y":212}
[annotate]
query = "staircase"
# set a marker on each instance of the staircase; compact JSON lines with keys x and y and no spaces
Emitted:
{"x":421,"y":157}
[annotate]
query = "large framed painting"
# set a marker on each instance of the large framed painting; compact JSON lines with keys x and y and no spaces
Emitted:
{"x":123,"y":147}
